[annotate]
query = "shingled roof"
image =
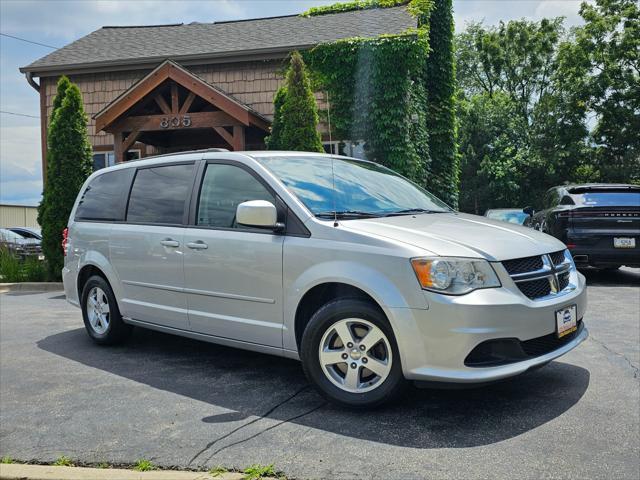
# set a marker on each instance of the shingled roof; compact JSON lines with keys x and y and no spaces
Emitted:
{"x":122,"y":46}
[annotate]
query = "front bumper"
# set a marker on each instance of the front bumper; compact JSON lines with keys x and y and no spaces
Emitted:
{"x":434,"y":343}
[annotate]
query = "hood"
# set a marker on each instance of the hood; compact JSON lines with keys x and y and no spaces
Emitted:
{"x":460,"y":235}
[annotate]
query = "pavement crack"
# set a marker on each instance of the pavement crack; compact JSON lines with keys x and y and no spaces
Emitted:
{"x":635,"y":369}
{"x":244,"y":425}
{"x":295,"y":417}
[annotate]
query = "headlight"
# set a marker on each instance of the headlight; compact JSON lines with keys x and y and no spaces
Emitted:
{"x":454,"y":276}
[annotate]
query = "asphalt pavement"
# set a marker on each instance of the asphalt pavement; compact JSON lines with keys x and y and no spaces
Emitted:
{"x":185,"y":403}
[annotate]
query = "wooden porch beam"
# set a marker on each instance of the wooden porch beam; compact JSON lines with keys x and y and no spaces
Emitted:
{"x":142,"y":88}
{"x":187,"y":103}
{"x":209,"y":94}
{"x":225,"y":135}
{"x":130,"y":140}
{"x":149,"y":123}
{"x":174,"y":98}
{"x":162,"y":103}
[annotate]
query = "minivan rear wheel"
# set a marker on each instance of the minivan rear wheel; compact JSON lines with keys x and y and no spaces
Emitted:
{"x":349,"y":353}
{"x":100,"y":313}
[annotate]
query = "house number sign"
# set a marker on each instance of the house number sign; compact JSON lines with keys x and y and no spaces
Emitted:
{"x":175,"y":122}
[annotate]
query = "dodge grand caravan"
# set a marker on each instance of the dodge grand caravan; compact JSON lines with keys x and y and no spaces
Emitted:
{"x":365,"y":277}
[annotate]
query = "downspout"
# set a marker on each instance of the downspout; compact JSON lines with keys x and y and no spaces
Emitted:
{"x":43,"y":123}
{"x":31,"y":81}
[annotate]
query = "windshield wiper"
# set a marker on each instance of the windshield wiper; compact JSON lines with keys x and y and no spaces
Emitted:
{"x":410,"y":211}
{"x":347,"y":214}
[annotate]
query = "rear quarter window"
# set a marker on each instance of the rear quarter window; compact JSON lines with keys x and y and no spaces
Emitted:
{"x":105,"y":198}
{"x":159,"y":194}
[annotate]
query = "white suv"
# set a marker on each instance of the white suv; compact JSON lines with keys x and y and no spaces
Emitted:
{"x":362,"y":275}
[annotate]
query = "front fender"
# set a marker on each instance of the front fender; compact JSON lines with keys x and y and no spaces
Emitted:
{"x":383,"y":288}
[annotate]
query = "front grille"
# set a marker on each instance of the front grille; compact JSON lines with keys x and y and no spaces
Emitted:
{"x":536,"y":276}
{"x":557,"y":257}
{"x":523,"y":265}
{"x":563,"y":281}
{"x":502,"y":351}
{"x":535,"y":288}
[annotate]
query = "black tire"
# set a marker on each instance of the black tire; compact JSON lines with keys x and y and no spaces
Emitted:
{"x":117,"y":330}
{"x":323,"y":320}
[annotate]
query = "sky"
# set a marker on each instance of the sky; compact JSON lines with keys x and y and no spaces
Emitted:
{"x":55,"y":23}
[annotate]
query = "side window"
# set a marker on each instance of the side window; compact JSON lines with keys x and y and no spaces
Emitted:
{"x":105,"y":198}
{"x":224,"y":187}
{"x":159,"y":194}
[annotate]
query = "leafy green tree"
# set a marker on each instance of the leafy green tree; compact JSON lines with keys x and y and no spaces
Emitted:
{"x":68,"y":165}
{"x":443,"y":176}
{"x":601,"y":65}
{"x":495,"y":154}
{"x":274,"y":140}
{"x":295,"y":124}
{"x":521,"y":128}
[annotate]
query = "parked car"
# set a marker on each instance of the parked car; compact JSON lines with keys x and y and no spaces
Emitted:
{"x":365,"y":277}
{"x":600,"y":223}
{"x":19,"y":245}
{"x":27,"y":232}
{"x":509,"y":215}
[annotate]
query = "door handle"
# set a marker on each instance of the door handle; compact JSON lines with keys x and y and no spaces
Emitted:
{"x":199,"y":245}
{"x":169,"y":242}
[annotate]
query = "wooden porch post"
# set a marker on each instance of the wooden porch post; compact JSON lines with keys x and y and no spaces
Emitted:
{"x":238,"y":138}
{"x":118,"y":151}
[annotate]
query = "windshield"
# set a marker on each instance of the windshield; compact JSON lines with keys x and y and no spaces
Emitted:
{"x":361,"y":188}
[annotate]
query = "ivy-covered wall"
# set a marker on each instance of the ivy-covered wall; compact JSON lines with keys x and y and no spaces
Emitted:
{"x":375,"y":97}
{"x":439,"y":77}
{"x":384,"y":91}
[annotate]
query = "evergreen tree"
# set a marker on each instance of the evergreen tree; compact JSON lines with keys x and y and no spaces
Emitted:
{"x":69,"y":163}
{"x":297,"y":125}
{"x":443,"y":177}
{"x":274,"y":140}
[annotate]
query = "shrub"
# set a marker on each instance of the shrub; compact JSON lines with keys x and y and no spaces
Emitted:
{"x":10,"y":268}
{"x":68,"y":165}
{"x":297,"y":126}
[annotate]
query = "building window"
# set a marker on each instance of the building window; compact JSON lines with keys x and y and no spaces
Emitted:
{"x":346,"y":147}
{"x":107,"y":159}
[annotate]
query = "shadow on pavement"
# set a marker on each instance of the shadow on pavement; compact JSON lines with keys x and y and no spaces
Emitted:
{"x":623,"y":277}
{"x":252,"y":384}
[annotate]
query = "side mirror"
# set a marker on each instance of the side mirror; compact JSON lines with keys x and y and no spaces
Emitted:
{"x":529,"y":211}
{"x":257,"y":213}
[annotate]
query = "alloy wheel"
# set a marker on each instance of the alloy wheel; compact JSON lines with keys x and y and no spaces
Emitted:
{"x":98,"y":311}
{"x":355,"y":355}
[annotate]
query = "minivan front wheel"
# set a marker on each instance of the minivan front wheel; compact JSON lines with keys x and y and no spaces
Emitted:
{"x":100,"y":312}
{"x":349,"y":352}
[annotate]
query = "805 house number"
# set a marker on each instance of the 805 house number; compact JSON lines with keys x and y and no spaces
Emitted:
{"x":175,"y":122}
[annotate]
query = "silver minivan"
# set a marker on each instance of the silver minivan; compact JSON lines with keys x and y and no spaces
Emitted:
{"x":341,"y":263}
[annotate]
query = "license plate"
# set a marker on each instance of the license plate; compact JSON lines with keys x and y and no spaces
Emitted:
{"x":624,"y":242}
{"x":566,"y":320}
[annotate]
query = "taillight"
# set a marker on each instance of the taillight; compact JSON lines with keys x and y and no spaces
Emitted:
{"x":65,"y":241}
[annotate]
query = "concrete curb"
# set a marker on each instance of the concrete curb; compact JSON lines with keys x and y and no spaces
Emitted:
{"x":16,"y":471}
{"x":31,"y":287}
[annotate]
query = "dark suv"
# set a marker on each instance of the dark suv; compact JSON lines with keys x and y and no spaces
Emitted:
{"x":600,"y":223}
